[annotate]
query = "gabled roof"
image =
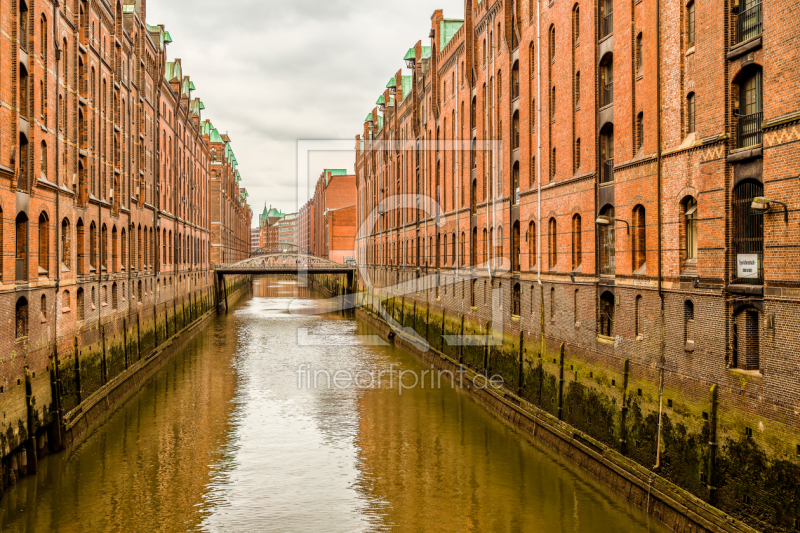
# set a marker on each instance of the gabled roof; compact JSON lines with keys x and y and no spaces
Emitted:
{"x":381,"y":100}
{"x":411,"y":54}
{"x":392,"y":83}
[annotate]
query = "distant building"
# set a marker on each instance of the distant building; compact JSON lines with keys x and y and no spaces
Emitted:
{"x":277,"y":229}
{"x":328,"y":220}
{"x":255,"y":236}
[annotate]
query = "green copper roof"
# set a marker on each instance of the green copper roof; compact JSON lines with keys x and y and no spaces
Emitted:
{"x":392,"y":83}
{"x":191,"y":85}
{"x":448,"y":29}
{"x":381,"y":100}
{"x":426,"y":52}
{"x":172,"y":70}
{"x":369,"y":118}
{"x":336,"y":171}
{"x":407,"y":82}
{"x":214,"y":136}
{"x":185,"y":86}
{"x":411,"y":54}
{"x":167,"y":37}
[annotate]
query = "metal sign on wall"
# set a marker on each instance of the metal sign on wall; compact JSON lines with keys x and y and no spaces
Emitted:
{"x":747,"y":265}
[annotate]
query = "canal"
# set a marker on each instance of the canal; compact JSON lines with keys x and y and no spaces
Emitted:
{"x":225,"y":439}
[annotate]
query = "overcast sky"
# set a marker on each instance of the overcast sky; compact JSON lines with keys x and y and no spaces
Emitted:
{"x":272,"y":72}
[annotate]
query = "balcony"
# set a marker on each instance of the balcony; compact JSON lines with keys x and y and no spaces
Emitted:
{"x":749,"y":130}
{"x":608,"y":94}
{"x":749,"y":23}
{"x":606,"y":25}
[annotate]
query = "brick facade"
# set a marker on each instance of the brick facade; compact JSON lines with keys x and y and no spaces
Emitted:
{"x":114,"y":203}
{"x":614,"y":212}
{"x":328,"y":220}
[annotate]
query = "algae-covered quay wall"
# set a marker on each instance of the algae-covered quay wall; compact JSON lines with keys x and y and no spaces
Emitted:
{"x":53,"y":393}
{"x":724,"y":462}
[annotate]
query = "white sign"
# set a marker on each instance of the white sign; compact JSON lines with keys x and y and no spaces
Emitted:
{"x":747,"y":266}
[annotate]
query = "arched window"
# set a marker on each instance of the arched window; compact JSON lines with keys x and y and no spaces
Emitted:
{"x":607,"y":153}
{"x":473,"y":247}
{"x":43,"y":160}
{"x":516,"y":256}
{"x":690,"y":229}
{"x":746,"y":340}
{"x":66,"y":248}
{"x":92,"y":247}
{"x":463,"y":249}
{"x":485,"y":256}
{"x":639,"y":238}
{"x":639,"y":133}
{"x":531,"y":238}
{"x":515,"y":124}
{"x":576,"y":241}
{"x":21,"y":315}
{"x":21,"y":247}
{"x":750,"y":109}
{"x":690,"y":26}
{"x":690,"y":114}
{"x":44,"y":244}
{"x":552,"y":243}
{"x":515,"y":184}
{"x":66,"y":304}
{"x":515,"y":81}
{"x":607,"y":80}
{"x":606,"y":240}
{"x":104,"y":248}
{"x":81,"y":238}
{"x":576,"y":158}
{"x":553,"y":165}
{"x":576,"y":25}
{"x":516,"y":300}
{"x":552,"y":44}
{"x":552,"y":303}
{"x":638,"y":54}
{"x":114,"y":295}
{"x":81,"y":304}
{"x":114,"y":250}
{"x":606,"y":309}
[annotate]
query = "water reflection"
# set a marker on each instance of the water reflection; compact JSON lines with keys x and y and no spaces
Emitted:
{"x":224,"y":440}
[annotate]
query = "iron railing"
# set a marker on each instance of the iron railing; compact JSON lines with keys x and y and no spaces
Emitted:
{"x":749,"y":23}
{"x":607,"y":25}
{"x":608,"y":170}
{"x":608,"y":94}
{"x":748,"y":229}
{"x":749,"y":130}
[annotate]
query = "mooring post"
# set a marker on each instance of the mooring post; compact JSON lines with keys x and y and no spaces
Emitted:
{"x":78,"y":373}
{"x":560,"y":381}
{"x":486,"y":349}
{"x":225,"y":286}
{"x":623,"y":431}
{"x":461,"y":342}
{"x":521,"y":370}
{"x":55,"y":387}
{"x":103,"y":361}
{"x":125,"y":340}
{"x":712,"y":446}
{"x":444,"y":313}
{"x":30,"y":443}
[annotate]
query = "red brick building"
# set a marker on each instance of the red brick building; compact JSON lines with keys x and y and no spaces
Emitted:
{"x":617,"y":213}
{"x":115,"y":199}
{"x":328,"y":220}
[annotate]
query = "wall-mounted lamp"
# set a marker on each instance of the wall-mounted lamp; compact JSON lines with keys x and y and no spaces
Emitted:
{"x":761,"y":205}
{"x":604,"y":220}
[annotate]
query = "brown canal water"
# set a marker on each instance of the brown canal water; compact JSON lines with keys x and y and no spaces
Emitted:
{"x":224,"y":439}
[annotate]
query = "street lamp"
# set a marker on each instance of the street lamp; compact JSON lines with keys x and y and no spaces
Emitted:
{"x":761,"y":205}
{"x":604,"y":220}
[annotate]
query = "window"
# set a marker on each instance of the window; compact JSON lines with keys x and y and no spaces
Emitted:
{"x":81,"y":248}
{"x":515,"y":184}
{"x":515,"y":122}
{"x":21,"y":316}
{"x":516,"y":257}
{"x":576,"y":26}
{"x":43,"y":159}
{"x":553,"y":244}
{"x":81,"y":304}
{"x":552,"y":303}
{"x":516,"y":300}
{"x":65,"y":302}
{"x":748,"y":20}
{"x":531,"y":238}
{"x":44,"y":244}
{"x":638,"y":58}
{"x":577,"y":92}
{"x":606,"y":17}
{"x":639,"y":132}
{"x":576,"y":241}
{"x":607,"y":246}
{"x":552,"y":104}
{"x":514,"y":81}
{"x":114,"y":295}
{"x":750,"y":115}
{"x":688,"y":325}
{"x":690,"y":116}
{"x":607,"y":153}
{"x":639,"y":238}
{"x":552,"y":44}
{"x":607,"y":80}
{"x":690,"y":229}
{"x":575,"y":308}
{"x":21,"y":248}
{"x":746,"y":340}
{"x":66,"y":251}
{"x":606,"y":321}
{"x":553,"y":165}
{"x":690,"y":25}
{"x":576,"y":158}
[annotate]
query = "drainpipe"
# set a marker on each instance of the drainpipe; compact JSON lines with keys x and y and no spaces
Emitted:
{"x":660,"y":234}
{"x":539,"y":171}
